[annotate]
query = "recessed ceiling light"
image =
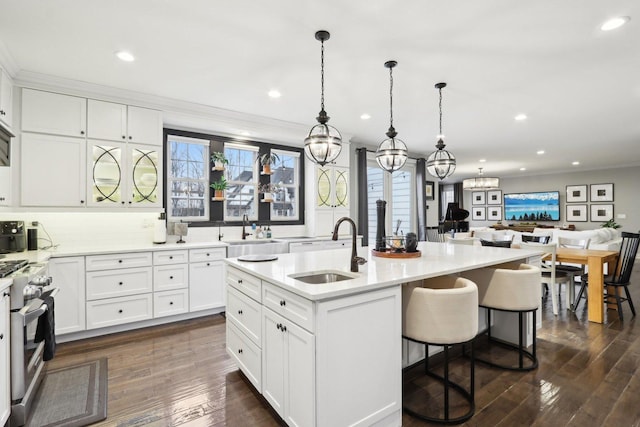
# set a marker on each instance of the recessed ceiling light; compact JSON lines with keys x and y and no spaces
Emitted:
{"x":575,"y":163}
{"x":125,"y":56}
{"x":482,"y":160}
{"x":540,"y":152}
{"x":365,"y":116}
{"x":245,"y":133}
{"x":521,"y":117}
{"x":523,"y":169}
{"x":614,"y":23}
{"x":274,"y":93}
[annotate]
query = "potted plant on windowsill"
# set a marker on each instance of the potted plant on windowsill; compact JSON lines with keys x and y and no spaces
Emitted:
{"x":219,"y":161}
{"x":218,"y":187}
{"x":266,"y":160}
{"x":267,"y":190}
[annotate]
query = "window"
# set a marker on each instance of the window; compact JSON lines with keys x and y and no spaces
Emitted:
{"x":447,"y":195}
{"x":285,"y":183}
{"x":398,"y":189}
{"x":188,"y":178}
{"x":242,"y":178}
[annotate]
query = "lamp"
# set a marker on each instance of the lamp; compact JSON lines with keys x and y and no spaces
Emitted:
{"x":481,"y":182}
{"x":441,"y":163}
{"x":391,"y":154}
{"x":324,"y":143}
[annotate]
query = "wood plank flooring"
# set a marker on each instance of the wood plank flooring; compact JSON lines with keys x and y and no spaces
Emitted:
{"x":180,"y":375}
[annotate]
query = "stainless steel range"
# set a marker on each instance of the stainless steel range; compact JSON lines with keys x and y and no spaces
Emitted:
{"x":30,"y":289}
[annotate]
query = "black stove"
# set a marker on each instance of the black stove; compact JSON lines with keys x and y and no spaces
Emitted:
{"x":10,"y":266}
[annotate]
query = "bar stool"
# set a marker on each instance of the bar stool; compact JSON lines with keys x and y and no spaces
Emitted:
{"x":442,"y":312}
{"x":512,"y":288}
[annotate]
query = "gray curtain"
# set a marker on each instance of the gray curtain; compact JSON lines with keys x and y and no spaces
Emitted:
{"x":363,"y":201}
{"x":421,"y":202}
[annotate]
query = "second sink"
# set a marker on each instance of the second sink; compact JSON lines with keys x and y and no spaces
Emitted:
{"x":320,"y":277}
{"x":256,"y":247}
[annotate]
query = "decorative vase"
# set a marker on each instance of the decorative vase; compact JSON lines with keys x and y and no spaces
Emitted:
{"x":266,"y":169}
{"x":268,"y":197}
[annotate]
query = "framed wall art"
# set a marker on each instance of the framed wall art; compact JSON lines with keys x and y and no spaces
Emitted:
{"x":601,"y":212}
{"x":477,"y":198}
{"x":478,"y":214}
{"x":494,"y":197}
{"x":494,"y":213}
{"x":430,"y":189}
{"x":576,"y":213}
{"x":577,"y":193}
{"x":602,"y":192}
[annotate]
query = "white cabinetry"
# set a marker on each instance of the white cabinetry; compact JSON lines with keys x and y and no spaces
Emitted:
{"x":170,"y":283}
{"x":69,"y":275}
{"x":322,"y":245}
{"x":6,"y":98}
{"x":206,"y":278}
{"x":52,"y":170}
{"x":118,"y":122}
{"x":53,"y":113}
{"x":5,"y":185}
{"x":5,"y":390}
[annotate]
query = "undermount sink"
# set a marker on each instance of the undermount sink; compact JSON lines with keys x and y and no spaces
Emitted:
{"x":321,"y":277}
{"x":256,"y":247}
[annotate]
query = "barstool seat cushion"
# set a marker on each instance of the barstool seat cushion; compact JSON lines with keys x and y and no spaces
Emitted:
{"x":513,"y":288}
{"x":442,"y":310}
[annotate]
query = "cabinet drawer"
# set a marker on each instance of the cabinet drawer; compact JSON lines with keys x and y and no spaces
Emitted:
{"x":292,"y":307}
{"x":207,"y":254}
{"x":245,"y":313}
{"x":168,"y":303}
{"x":117,"y":283}
{"x":246,"y":355}
{"x":117,"y":311}
{"x":245,"y":283}
{"x":112,"y":261}
{"x":170,"y":257}
{"x":167,"y":277}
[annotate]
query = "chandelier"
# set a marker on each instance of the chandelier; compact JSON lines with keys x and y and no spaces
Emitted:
{"x":481,"y":182}
{"x":441,"y":163}
{"x":391,"y":154}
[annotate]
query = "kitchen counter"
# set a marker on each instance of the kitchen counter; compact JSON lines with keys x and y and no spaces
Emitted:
{"x":437,"y":259}
{"x":99,"y":249}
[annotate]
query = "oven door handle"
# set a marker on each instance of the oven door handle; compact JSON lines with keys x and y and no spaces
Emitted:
{"x":29,"y":315}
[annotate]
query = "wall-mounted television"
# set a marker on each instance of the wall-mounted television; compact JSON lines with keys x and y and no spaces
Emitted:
{"x":539,"y":206}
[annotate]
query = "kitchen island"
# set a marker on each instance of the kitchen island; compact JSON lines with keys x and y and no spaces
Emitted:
{"x":331,"y":354}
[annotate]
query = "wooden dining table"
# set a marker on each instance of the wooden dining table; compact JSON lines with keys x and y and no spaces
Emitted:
{"x":595,"y":261}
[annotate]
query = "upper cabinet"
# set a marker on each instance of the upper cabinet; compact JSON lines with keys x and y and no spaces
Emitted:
{"x":53,"y":113}
{"x":6,"y":98}
{"x":125,"y":123}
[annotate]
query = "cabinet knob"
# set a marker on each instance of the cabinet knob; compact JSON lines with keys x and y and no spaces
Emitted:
{"x":1,"y":199}
{"x":2,"y":113}
{"x":120,"y":261}
{"x":124,"y":137}
{"x":208,"y":264}
{"x":81,"y":201}
{"x":129,"y":201}
{"x":239,"y":280}
{"x":239,"y":311}
{"x":122,"y":202}
{"x":170,"y":302}
{"x":170,"y":256}
{"x":283,"y":303}
{"x":279,"y":325}
{"x":207,"y":254}
{"x":81,"y":132}
{"x":130,"y":137}
{"x":120,"y":283}
{"x":5,"y":294}
{"x":284,"y":328}
{"x":170,"y":277}
{"x":239,"y":351}
{"x":1,"y":336}
{"x":120,"y":311}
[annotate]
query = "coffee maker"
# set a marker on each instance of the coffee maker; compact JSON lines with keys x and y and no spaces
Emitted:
{"x":12,"y":237}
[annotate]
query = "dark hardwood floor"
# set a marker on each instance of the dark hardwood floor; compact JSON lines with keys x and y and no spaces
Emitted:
{"x":180,"y":375}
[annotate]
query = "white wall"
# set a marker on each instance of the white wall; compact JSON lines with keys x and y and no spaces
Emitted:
{"x":626,"y":192}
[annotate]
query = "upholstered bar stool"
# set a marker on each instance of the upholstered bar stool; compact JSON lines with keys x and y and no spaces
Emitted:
{"x":442,"y":312}
{"x":513,"y":288}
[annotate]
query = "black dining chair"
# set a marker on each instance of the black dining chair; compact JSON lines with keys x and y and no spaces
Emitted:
{"x":496,"y":243}
{"x":620,"y":276}
{"x":536,"y":238}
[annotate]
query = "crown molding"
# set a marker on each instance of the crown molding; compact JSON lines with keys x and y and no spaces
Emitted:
{"x":7,"y":62}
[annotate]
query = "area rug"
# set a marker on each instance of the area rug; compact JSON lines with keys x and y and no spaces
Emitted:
{"x":74,"y":396}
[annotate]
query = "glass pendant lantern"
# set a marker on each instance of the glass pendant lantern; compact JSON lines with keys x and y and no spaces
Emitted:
{"x":441,"y":163}
{"x":391,"y":154}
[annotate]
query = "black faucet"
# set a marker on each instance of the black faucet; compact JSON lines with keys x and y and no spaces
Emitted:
{"x":355,"y":259}
{"x":245,"y":221}
{"x":220,"y":235}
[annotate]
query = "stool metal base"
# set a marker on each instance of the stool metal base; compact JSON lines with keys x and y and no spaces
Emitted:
{"x":469,"y":396}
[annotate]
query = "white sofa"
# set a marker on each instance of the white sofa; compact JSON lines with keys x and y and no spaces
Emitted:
{"x":600,"y":238}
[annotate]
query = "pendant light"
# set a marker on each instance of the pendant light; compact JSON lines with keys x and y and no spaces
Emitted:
{"x":324,"y":143}
{"x":391,"y":154}
{"x":441,"y":163}
{"x":481,"y":182}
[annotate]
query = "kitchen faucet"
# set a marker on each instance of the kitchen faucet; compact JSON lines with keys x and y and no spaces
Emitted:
{"x":355,"y":259}
{"x":245,"y":221}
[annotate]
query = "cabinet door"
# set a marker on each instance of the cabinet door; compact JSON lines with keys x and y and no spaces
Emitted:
{"x":144,"y":176}
{"x":144,"y":125}
{"x":5,"y":185}
{"x":52,"y":170}
{"x":6,"y":98}
{"x":68,"y":275}
{"x":206,"y":285}
{"x":5,"y":397}
{"x":323,"y":187}
{"x":53,"y":113}
{"x":273,"y":355}
{"x":105,"y":173}
{"x":340,"y":188}
{"x":106,"y":120}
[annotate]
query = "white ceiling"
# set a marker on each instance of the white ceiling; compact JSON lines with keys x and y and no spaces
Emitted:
{"x":579,"y":86}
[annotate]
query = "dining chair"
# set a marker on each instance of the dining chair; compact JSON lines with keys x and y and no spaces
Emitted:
{"x":536,"y":238}
{"x":460,"y":240}
{"x":621,"y":274}
{"x":549,"y":275}
{"x":496,"y":243}
{"x":574,"y":270}
{"x":435,"y":234}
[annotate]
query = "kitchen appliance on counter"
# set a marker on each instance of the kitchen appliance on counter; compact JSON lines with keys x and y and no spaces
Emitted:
{"x":12,"y":237}
{"x":30,"y":290}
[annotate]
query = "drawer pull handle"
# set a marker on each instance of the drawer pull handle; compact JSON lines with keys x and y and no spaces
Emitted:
{"x":239,"y":311}
{"x":279,"y":326}
{"x":239,"y":351}
{"x":1,"y":336}
{"x":120,"y":283}
{"x":239,"y":280}
{"x":120,"y":311}
{"x":170,"y":256}
{"x":208,"y":264}
{"x":207,"y":254}
{"x":283,"y":303}
{"x":120,"y":261}
{"x":6,"y":294}
{"x":284,"y":328}
{"x":171,"y":277}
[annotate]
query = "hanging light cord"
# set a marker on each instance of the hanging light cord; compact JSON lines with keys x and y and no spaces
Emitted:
{"x":440,"y":107}
{"x":322,"y":76}
{"x":391,"y":97}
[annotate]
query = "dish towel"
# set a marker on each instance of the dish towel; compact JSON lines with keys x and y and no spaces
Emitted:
{"x":46,"y":329}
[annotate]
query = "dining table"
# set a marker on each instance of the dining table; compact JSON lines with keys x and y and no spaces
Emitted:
{"x":595,"y":260}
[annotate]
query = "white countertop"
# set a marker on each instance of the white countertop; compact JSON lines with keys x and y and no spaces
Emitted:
{"x":437,"y":259}
{"x":95,"y":249}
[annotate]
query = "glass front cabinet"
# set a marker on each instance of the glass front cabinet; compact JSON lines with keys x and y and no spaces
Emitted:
{"x":123,"y":174}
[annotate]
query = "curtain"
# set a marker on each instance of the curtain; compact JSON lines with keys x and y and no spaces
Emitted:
{"x":361,"y":177}
{"x":421,"y":203}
